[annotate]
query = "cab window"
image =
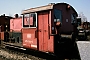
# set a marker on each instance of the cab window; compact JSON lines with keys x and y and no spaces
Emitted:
{"x":57,"y":15}
{"x":73,"y":17}
{"x":29,"y":20}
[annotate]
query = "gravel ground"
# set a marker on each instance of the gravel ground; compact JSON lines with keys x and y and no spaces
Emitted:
{"x":6,"y":54}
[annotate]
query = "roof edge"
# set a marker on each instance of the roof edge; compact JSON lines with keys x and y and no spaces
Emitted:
{"x":41,"y":8}
{"x":47,"y":7}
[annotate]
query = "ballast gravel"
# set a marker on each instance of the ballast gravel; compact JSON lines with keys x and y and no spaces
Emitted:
{"x":11,"y":55}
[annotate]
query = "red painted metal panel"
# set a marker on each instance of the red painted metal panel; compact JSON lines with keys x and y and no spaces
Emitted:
{"x":43,"y":31}
{"x":51,"y":38}
{"x":16,"y":24}
{"x":46,"y":42}
{"x":40,"y":31}
{"x":2,"y":35}
{"x":51,"y":44}
{"x":29,"y":39}
{"x":11,"y":24}
{"x":45,"y":27}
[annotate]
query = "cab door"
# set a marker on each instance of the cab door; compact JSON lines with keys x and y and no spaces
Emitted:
{"x":43,"y":31}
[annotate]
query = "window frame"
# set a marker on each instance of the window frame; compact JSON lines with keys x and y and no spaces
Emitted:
{"x":60,"y":15}
{"x":72,"y":15}
{"x":23,"y":26}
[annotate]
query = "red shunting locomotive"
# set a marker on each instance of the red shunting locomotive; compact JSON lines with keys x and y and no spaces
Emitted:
{"x":43,"y":26}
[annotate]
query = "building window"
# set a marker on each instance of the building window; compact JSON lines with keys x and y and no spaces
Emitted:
{"x":29,"y":20}
{"x":57,"y":15}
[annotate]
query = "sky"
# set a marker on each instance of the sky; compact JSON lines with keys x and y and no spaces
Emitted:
{"x":11,"y":7}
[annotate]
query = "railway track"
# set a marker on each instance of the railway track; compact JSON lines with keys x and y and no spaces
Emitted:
{"x":7,"y":54}
{"x":17,"y":54}
{"x":10,"y":53}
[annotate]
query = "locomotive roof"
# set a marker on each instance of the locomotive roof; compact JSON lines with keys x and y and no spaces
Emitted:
{"x":41,"y":8}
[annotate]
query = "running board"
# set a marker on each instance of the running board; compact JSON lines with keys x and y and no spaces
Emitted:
{"x":17,"y":47}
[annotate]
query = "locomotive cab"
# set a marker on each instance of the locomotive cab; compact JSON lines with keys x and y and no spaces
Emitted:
{"x":43,"y":26}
